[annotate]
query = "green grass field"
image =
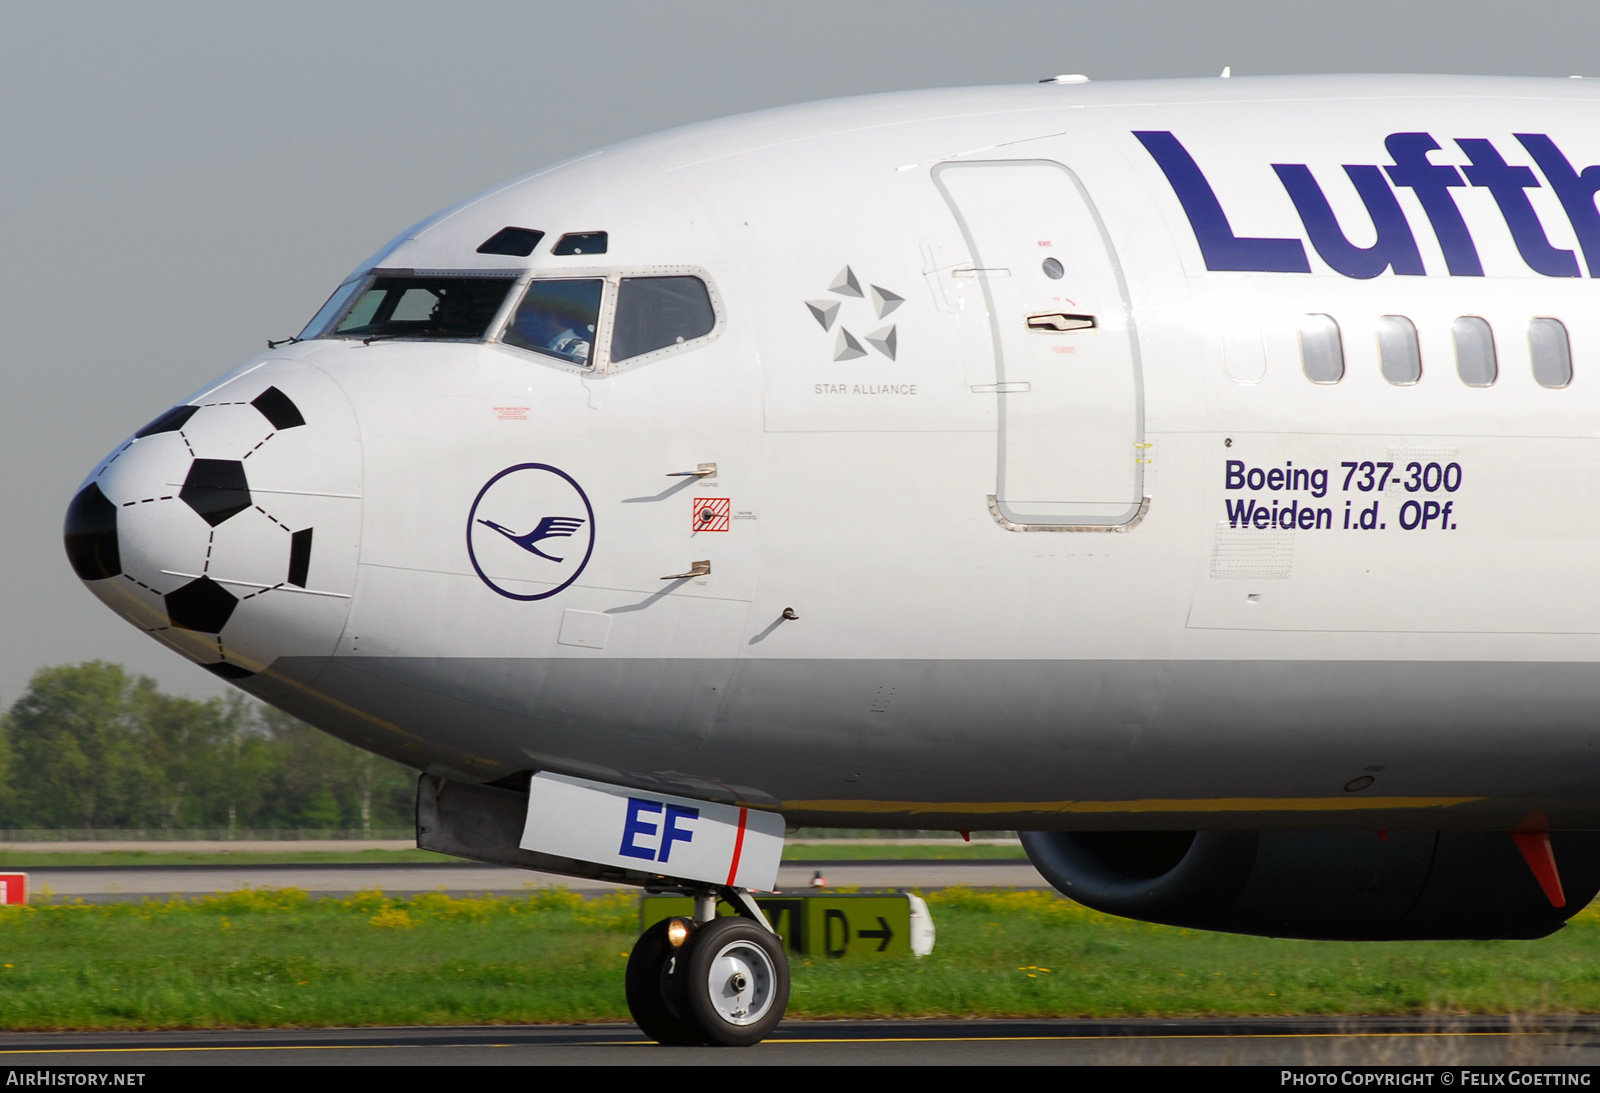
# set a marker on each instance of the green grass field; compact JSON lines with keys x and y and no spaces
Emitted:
{"x":794,"y":851}
{"x":267,"y":958}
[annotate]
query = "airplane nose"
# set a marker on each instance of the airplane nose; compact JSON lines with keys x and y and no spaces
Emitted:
{"x":228,"y":528}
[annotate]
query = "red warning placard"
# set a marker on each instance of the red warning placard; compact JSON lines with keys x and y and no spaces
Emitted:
{"x":13,"y":888}
{"x":711,"y":513}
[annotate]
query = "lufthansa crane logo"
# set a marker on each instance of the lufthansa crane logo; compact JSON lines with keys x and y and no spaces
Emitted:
{"x":530,"y":531}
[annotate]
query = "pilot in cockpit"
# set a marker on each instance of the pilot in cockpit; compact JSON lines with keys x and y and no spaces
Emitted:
{"x":571,"y":345}
{"x":454,"y":316}
{"x":558,"y":318}
{"x":553,"y":331}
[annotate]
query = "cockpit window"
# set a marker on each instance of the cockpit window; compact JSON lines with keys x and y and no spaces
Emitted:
{"x":517,"y":242}
{"x":457,"y":308}
{"x":558,"y":318}
{"x":581,"y":243}
{"x":655,"y":312}
{"x":336,"y":305}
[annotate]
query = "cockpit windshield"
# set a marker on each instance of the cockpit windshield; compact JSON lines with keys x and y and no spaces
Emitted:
{"x":558,"y":319}
{"x":435,"y":307}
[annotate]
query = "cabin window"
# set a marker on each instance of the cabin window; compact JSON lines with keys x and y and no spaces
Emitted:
{"x":1399,"y":354}
{"x":1551,"y":352}
{"x":558,"y":319}
{"x":1321,"y":350}
{"x":656,"y":312}
{"x":1475,"y":359}
{"x":457,"y":308}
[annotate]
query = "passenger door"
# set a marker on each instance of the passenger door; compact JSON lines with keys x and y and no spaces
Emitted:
{"x":1069,"y":394}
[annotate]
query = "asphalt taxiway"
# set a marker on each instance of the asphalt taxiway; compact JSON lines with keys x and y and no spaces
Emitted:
{"x":1286,"y":1041}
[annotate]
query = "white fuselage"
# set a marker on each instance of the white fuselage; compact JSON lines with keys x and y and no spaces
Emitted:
{"x":1031,"y":583}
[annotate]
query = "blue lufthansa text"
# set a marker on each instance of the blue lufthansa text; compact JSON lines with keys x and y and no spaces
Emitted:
{"x":1395,"y":248}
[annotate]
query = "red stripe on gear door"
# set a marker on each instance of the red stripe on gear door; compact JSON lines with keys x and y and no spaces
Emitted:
{"x":738,"y":847}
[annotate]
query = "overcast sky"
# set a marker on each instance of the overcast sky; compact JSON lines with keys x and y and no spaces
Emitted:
{"x":179,"y":182}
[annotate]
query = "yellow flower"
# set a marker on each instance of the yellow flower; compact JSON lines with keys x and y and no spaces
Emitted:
{"x":393,"y":918}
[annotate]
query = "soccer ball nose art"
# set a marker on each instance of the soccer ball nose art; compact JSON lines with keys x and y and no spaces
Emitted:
{"x":227,"y":527}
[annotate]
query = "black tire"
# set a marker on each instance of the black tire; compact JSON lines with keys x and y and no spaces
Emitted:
{"x":651,"y":989}
{"x":721,"y":956}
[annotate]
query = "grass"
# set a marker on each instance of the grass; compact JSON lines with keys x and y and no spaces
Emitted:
{"x":281,"y":958}
{"x":795,"y":851}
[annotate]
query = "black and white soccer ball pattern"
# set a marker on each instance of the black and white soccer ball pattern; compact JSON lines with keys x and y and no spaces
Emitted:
{"x":203,"y":528}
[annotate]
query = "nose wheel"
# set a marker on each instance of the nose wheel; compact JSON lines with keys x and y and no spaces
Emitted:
{"x":735,"y":981}
{"x":651,"y":985}
{"x":725,"y":983}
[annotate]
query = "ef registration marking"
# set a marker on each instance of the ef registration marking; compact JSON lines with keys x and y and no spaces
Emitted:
{"x":655,"y":834}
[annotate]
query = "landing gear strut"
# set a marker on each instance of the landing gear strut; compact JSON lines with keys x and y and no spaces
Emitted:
{"x":709,"y":980}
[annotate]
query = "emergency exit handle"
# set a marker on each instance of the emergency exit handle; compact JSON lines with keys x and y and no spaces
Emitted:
{"x":1056,"y":322}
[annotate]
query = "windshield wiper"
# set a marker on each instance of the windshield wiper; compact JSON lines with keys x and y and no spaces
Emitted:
{"x":282,"y":341}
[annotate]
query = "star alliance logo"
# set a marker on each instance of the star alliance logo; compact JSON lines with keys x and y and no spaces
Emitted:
{"x":846,"y":346}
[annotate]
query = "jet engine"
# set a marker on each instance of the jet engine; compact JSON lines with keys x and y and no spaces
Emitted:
{"x":1328,"y":885}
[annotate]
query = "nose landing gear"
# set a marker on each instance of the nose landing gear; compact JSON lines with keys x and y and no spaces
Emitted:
{"x":652,"y":981}
{"x":721,"y":981}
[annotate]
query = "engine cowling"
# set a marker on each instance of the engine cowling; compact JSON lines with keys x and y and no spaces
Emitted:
{"x":1327,"y":885}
